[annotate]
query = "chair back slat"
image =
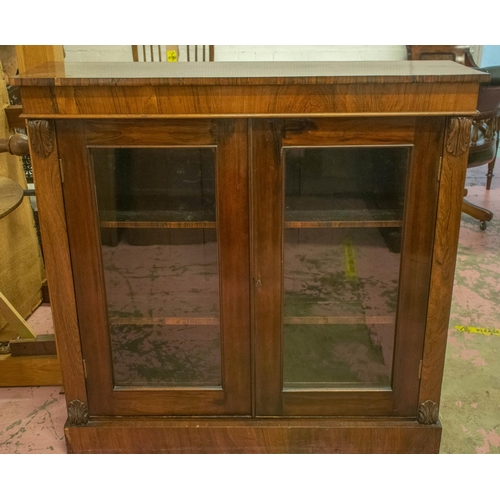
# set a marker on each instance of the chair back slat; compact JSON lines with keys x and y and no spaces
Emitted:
{"x":189,"y":53}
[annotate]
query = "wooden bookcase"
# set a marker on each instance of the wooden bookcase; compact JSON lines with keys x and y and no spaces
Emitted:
{"x":251,"y":257}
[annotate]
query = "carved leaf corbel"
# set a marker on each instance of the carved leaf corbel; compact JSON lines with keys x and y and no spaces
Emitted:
{"x":41,"y":134}
{"x":78,"y":413}
{"x":458,"y":135}
{"x":428,"y":413}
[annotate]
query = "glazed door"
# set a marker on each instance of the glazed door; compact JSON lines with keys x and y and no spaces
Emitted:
{"x":343,"y":225}
{"x":157,"y":215}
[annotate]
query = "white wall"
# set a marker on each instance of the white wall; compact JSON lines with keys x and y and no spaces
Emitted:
{"x":109,"y":53}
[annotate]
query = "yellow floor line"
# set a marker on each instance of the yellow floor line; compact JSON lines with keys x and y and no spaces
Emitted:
{"x":480,"y":331}
{"x":350,"y":261}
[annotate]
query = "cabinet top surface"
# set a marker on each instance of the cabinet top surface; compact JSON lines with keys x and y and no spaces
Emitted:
{"x":247,"y":73}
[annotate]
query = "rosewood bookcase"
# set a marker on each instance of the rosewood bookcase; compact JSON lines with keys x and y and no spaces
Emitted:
{"x":251,"y":257}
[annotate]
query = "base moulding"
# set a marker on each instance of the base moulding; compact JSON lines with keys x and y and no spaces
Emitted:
{"x":256,"y":435}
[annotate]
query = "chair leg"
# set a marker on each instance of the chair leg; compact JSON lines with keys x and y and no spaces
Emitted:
{"x":491,"y":166}
{"x":478,"y":213}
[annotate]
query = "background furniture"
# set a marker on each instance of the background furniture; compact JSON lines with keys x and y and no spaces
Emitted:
{"x":22,"y":275}
{"x":11,"y":196}
{"x":485,"y":129}
{"x":484,"y":139}
{"x":260,"y":254}
{"x":21,"y":267}
{"x":458,"y":53}
{"x":160,"y":53}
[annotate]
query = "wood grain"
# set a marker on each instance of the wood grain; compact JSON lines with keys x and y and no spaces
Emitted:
{"x":418,"y":232}
{"x":133,"y":133}
{"x":289,"y":105}
{"x":32,"y":56}
{"x":52,"y":217}
{"x":237,"y":101}
{"x":41,"y":345}
{"x":448,"y":217}
{"x":339,"y":320}
{"x":416,"y":258}
{"x":343,"y":223}
{"x":256,"y":73}
{"x":164,"y":321}
{"x":252,"y":436}
{"x":158,"y":224}
{"x":13,"y":113}
{"x":347,"y":131}
{"x":29,"y":371}
{"x":267,"y":224}
{"x":252,"y":100}
{"x":232,"y":223}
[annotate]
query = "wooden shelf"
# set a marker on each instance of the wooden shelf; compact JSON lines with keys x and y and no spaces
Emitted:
{"x":158,"y":225}
{"x":342,"y":223}
{"x":318,"y":386}
{"x":331,"y":211}
{"x":158,"y":219}
{"x":165,"y":321}
{"x":339,"y":320}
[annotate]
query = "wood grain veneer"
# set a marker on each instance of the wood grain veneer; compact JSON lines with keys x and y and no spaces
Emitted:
{"x":249,"y":113}
{"x":52,"y":217}
{"x":252,"y":436}
{"x":242,"y":73}
{"x":443,"y":269}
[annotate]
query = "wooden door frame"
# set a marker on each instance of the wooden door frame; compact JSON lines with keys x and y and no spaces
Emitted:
{"x":230,"y":138}
{"x":269,"y":136}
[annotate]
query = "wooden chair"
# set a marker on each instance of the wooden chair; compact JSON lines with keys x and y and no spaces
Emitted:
{"x":485,"y":127}
{"x":158,"y":53}
{"x":485,"y":139}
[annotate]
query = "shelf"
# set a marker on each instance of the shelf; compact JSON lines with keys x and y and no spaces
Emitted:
{"x":157,"y":225}
{"x":173,"y":219}
{"x":318,"y":386}
{"x":164,"y":321}
{"x":339,"y":320}
{"x":330,"y":211}
{"x":333,"y":223}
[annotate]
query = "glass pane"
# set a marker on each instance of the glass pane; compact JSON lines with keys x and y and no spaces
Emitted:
{"x":343,"y":219}
{"x":159,"y":249}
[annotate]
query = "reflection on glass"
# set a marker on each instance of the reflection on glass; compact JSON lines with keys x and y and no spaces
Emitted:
{"x":159,"y":249}
{"x":343,"y":219}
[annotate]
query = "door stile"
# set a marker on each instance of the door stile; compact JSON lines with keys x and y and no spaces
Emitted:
{"x":420,"y":213}
{"x":267,"y":223}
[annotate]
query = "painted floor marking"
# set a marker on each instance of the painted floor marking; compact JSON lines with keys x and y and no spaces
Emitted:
{"x":350,"y":260}
{"x":480,"y":331}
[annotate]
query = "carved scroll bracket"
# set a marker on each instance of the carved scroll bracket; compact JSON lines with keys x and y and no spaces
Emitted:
{"x":428,"y":413}
{"x":41,"y":134}
{"x":458,"y":138}
{"x":78,"y":413}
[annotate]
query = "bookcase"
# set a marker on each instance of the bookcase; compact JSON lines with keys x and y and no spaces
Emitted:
{"x":251,"y":257}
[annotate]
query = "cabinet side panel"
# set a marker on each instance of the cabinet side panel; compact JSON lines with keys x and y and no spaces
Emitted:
{"x":449,"y":212}
{"x":57,"y":258}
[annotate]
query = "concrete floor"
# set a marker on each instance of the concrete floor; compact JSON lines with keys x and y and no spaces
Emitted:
{"x":470,"y":402}
{"x":32,"y":419}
